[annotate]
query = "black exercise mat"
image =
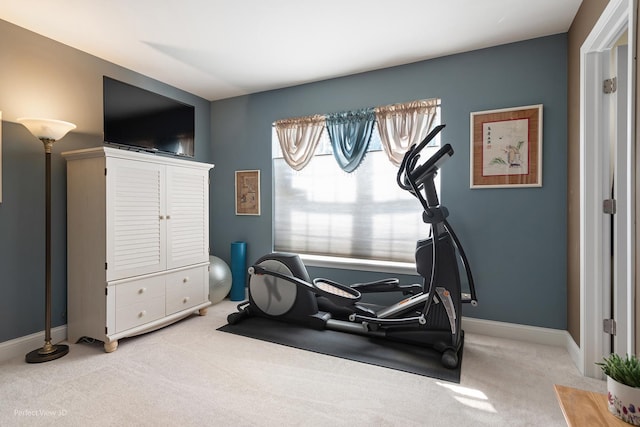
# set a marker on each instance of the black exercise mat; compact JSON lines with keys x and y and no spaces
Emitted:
{"x":375,"y":351}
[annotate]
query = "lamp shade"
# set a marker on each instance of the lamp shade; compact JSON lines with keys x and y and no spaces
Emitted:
{"x":47,"y":128}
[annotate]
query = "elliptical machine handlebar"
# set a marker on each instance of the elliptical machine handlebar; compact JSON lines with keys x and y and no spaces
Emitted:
{"x":412,"y":179}
{"x":408,"y":176}
{"x":432,"y":165}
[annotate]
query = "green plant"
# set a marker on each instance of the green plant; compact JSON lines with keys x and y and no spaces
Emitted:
{"x":625,"y":371}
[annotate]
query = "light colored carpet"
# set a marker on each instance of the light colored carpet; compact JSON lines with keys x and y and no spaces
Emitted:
{"x":189,"y":374}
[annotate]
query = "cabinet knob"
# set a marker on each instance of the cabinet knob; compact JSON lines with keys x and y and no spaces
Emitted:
{"x":161,"y":216}
{"x":185,"y":300}
{"x":185,"y":280}
{"x":142,"y":313}
{"x":168,"y":216}
{"x":142,"y":290}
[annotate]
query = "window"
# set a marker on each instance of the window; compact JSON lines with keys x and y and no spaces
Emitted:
{"x":364,"y":215}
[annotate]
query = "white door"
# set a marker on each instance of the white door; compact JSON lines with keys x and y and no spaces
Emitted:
{"x":621,"y":303}
{"x":135,"y":218}
{"x":606,"y":146}
{"x":187,"y":213}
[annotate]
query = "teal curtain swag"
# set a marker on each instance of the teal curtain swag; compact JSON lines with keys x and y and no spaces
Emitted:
{"x":350,"y":133}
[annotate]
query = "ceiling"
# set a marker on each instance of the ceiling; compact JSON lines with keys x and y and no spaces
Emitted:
{"x":223,"y":48}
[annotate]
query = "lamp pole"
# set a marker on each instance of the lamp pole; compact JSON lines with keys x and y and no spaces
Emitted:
{"x":48,"y":351}
{"x":47,"y":131}
{"x":48,"y":348}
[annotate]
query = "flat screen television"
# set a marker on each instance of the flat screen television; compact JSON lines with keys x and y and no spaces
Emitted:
{"x":139,"y":119}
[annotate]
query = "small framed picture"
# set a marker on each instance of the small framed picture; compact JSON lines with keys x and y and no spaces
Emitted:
{"x":506,"y":148}
{"x":248,"y":192}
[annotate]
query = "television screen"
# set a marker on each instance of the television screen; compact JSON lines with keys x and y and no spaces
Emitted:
{"x":147,"y":121}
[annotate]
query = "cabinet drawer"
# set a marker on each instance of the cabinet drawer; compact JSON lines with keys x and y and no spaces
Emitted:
{"x":139,"y":313}
{"x":138,"y":291}
{"x":139,"y":302}
{"x":186,"y":289}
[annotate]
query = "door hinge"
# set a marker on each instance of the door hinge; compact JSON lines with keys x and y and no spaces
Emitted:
{"x":609,"y":326}
{"x":105,"y":266}
{"x":105,"y":171}
{"x":609,"y":206}
{"x":610,"y":85}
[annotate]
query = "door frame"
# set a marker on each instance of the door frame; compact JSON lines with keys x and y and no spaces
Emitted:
{"x":617,"y":18}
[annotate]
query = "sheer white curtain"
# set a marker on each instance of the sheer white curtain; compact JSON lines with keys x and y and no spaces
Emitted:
{"x":299,"y":138}
{"x":325,"y":211}
{"x":402,"y":125}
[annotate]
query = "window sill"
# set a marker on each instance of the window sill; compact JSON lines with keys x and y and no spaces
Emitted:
{"x":359,"y":264}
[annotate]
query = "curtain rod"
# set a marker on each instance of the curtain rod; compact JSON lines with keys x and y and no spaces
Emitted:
{"x":438,"y":103}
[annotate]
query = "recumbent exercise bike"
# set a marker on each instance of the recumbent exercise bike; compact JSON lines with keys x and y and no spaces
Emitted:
{"x":430,"y":313}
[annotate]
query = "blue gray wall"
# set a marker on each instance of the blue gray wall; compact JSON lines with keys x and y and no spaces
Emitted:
{"x":42,"y":78}
{"x":515,"y":238}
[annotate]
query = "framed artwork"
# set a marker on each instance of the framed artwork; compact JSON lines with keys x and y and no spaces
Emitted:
{"x":506,"y":148}
{"x":248,"y":192}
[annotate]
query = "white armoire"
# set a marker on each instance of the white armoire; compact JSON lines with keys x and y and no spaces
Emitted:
{"x":137,"y":242}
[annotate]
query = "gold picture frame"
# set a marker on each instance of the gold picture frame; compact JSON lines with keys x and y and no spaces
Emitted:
{"x":506,"y":148}
{"x":248,"y":192}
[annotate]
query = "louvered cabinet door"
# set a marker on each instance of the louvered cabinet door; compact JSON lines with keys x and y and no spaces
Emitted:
{"x":136,"y":218}
{"x":187,"y":213}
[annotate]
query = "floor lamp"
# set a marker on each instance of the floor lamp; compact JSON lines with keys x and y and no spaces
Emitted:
{"x":47,"y":131}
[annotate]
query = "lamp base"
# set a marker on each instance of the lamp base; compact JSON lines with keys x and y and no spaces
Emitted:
{"x":47,"y":353}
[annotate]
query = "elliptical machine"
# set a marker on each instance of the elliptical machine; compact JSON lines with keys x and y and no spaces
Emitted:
{"x":429,"y":315}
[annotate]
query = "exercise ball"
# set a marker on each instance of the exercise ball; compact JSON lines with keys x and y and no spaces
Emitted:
{"x":219,"y":279}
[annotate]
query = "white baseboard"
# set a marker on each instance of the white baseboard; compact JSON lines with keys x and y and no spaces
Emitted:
{"x":513,"y":331}
{"x":574,"y":353}
{"x":19,"y":347}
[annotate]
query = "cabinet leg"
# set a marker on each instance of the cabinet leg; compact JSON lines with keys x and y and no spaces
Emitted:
{"x":203,"y":311}
{"x":110,"y":347}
